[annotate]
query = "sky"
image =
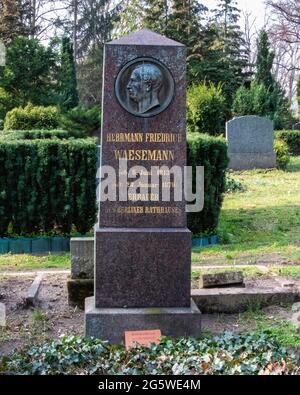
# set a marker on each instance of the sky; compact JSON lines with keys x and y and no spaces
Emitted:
{"x":256,"y":7}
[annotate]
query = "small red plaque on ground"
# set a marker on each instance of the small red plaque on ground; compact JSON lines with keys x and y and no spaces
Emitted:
{"x":143,"y":338}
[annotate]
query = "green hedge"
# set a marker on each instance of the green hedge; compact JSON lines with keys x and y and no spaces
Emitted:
{"x":47,"y":186}
{"x":292,"y":138}
{"x":210,"y":152}
{"x":32,"y":117}
{"x":41,"y":134}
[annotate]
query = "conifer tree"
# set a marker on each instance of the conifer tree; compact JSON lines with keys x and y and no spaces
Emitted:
{"x":264,"y":61}
{"x":185,"y":22}
{"x":156,"y":15}
{"x":232,"y":57}
{"x":68,"y":95}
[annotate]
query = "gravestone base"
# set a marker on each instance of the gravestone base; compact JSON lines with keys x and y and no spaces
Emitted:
{"x":78,"y":290}
{"x":111,"y":323}
{"x":248,"y":161}
{"x":142,"y":267}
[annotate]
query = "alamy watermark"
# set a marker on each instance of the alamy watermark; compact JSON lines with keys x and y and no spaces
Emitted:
{"x":157,"y":184}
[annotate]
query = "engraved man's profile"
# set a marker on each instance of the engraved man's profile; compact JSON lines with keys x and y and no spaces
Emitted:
{"x":144,"y":86}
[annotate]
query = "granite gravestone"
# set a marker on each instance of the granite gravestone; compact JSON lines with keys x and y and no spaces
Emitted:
{"x":142,"y":245}
{"x":250,"y":143}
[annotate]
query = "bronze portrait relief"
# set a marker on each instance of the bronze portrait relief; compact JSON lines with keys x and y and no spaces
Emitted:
{"x":144,"y":87}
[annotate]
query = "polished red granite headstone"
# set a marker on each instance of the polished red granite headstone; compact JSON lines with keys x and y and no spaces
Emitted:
{"x":142,"y":246}
{"x":148,"y":134}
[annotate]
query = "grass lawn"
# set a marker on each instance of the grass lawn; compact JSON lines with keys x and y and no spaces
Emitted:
{"x":285,"y":332}
{"x":10,"y":262}
{"x":263,"y":221}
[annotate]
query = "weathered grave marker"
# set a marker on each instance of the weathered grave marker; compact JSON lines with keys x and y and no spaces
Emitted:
{"x":250,"y":143}
{"x":225,"y":279}
{"x":33,"y":291}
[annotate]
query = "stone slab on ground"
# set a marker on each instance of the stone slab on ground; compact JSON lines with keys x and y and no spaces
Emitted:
{"x":237,"y":300}
{"x":111,"y":323}
{"x":214,"y":280}
{"x":32,"y":294}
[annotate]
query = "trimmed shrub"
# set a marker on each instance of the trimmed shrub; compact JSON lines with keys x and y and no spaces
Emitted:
{"x":206,"y":109}
{"x":47,"y":186}
{"x":40,"y":134}
{"x":32,"y":117}
{"x":292,"y":138}
{"x":282,"y":154}
{"x":30,"y":71}
{"x":82,"y":119}
{"x":210,"y":152}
